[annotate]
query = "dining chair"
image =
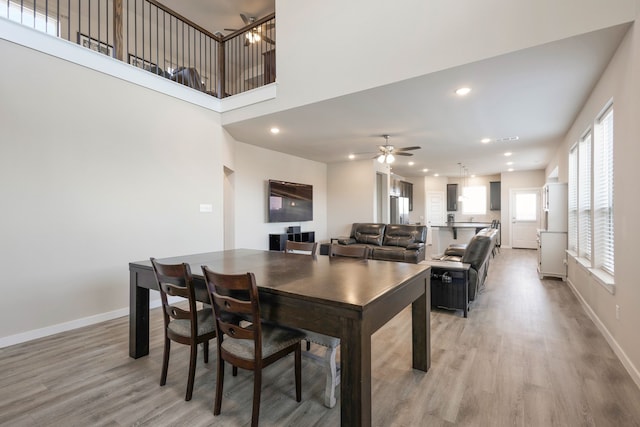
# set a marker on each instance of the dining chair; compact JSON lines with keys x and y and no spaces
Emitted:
{"x":328,"y":360}
{"x":355,"y":251}
{"x":300,"y":247}
{"x":249,"y":343}
{"x":189,"y":325}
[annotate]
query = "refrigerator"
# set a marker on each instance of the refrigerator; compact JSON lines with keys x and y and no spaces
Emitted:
{"x":399,"y":210}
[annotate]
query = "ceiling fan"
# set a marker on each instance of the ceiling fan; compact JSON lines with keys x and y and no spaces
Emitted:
{"x":388,"y":152}
{"x":255,"y":34}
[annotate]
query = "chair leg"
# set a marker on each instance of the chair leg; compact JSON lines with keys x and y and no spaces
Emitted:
{"x":219,"y":384}
{"x":205,"y":348}
{"x":331,"y":374}
{"x":257,"y":387}
{"x":234,"y":370}
{"x":308,"y":345}
{"x":298,"y":369}
{"x":192,"y":370}
{"x":165,"y":361}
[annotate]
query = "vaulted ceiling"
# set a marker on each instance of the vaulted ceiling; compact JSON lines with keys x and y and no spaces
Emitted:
{"x":523,"y":102}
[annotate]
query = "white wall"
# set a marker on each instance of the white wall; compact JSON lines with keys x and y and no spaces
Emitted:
{"x":95,"y":172}
{"x":620,"y":82}
{"x":254,"y":166}
{"x":365,"y":44}
{"x":351,"y":189}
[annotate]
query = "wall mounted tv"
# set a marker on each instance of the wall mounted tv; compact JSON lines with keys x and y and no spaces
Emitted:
{"x":289,"y":202}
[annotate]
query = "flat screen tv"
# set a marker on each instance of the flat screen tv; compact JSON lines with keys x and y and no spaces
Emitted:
{"x":290,"y":202}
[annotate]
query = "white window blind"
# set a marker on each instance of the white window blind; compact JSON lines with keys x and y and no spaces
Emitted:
{"x":603,"y":192}
{"x":584,"y":196}
{"x":573,"y":199}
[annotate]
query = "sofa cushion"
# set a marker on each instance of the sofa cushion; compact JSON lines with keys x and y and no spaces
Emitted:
{"x":404,"y":235}
{"x":369,"y":233}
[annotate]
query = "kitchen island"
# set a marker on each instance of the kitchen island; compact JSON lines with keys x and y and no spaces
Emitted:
{"x":454,"y":232}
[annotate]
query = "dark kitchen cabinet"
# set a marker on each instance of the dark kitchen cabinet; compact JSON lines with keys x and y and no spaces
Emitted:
{"x":494,"y":195}
{"x":452,"y":197}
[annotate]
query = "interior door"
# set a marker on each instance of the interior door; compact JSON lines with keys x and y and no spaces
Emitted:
{"x":436,"y":213}
{"x":525,"y":217}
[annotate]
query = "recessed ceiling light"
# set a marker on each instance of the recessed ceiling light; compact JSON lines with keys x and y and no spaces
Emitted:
{"x":411,"y":163}
{"x":352,"y":156}
{"x":509,"y":163}
{"x":436,"y":174}
{"x":510,"y":170}
{"x":275,"y":130}
{"x":463,"y":91}
{"x":508,"y":153}
{"x":485,"y":140}
{"x":425,"y":170}
{"x":508,"y":139}
{"x":473,"y":176}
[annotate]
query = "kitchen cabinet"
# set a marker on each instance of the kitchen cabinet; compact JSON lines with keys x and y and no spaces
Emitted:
{"x":552,"y":246}
{"x":554,"y":205}
{"x":452,"y":197}
{"x":494,"y":195}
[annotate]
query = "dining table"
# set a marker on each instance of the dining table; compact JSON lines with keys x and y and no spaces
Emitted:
{"x":342,"y":297}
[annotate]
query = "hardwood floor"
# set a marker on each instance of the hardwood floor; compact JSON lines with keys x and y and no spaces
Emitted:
{"x":527,"y":355}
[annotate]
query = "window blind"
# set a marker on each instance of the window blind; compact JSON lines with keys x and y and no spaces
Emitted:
{"x":603,"y":192}
{"x":584,"y":196}
{"x":573,"y":198}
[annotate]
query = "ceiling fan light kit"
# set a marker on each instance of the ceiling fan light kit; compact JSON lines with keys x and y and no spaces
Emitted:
{"x":388,"y":152}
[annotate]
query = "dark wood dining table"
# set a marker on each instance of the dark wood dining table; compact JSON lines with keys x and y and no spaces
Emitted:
{"x":341,"y":297}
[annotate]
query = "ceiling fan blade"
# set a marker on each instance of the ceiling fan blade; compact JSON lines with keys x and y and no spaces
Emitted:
{"x":402,"y":153}
{"x":268,"y":40}
{"x":409,"y":148}
{"x":245,"y":19}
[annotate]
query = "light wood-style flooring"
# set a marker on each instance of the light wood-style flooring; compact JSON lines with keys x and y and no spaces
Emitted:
{"x":528,"y":355}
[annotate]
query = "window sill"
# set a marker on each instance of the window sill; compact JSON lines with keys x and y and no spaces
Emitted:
{"x":603,"y":278}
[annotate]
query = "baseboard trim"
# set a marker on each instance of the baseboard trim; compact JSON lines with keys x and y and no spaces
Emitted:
{"x":619,"y":352}
{"x":68,"y":326}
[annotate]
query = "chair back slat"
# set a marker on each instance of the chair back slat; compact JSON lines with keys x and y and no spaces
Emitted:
{"x":234,"y":297}
{"x":176,"y":280}
{"x":297,"y":247}
{"x":361,"y":252}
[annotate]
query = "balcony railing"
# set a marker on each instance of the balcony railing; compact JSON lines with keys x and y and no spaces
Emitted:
{"x":146,"y":34}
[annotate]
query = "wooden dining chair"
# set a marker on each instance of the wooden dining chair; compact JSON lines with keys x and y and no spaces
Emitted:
{"x":328,"y":360}
{"x":358,"y":251}
{"x":300,"y":247}
{"x":189,"y":325}
{"x":249,"y":343}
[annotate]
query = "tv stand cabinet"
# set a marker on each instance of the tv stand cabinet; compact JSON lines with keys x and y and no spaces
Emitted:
{"x":277,"y":242}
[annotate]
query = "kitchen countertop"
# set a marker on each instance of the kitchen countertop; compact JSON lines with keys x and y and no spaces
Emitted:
{"x":463,"y":225}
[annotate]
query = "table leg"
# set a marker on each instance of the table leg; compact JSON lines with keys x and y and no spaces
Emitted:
{"x":421,"y":328}
{"x":138,"y":318}
{"x":355,"y":382}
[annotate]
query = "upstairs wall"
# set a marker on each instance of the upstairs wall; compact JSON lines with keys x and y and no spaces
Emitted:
{"x":345,"y":47}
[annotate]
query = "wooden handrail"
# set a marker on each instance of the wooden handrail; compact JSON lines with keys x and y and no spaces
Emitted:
{"x":248,"y":27}
{"x":185,"y":20}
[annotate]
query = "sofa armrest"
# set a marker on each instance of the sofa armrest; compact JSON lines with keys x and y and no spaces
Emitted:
{"x":349,"y":241}
{"x":415,"y":246}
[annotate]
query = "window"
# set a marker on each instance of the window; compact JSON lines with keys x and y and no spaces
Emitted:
{"x":584,"y":196}
{"x":591,"y":231}
{"x":18,"y":12}
{"x":603,"y":192}
{"x":474,"y":200}
{"x":573,"y":199}
{"x":526,"y":206}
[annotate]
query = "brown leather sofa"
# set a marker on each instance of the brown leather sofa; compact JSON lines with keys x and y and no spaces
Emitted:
{"x":389,"y":242}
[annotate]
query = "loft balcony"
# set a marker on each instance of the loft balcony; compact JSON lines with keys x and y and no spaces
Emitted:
{"x":147,"y":35}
